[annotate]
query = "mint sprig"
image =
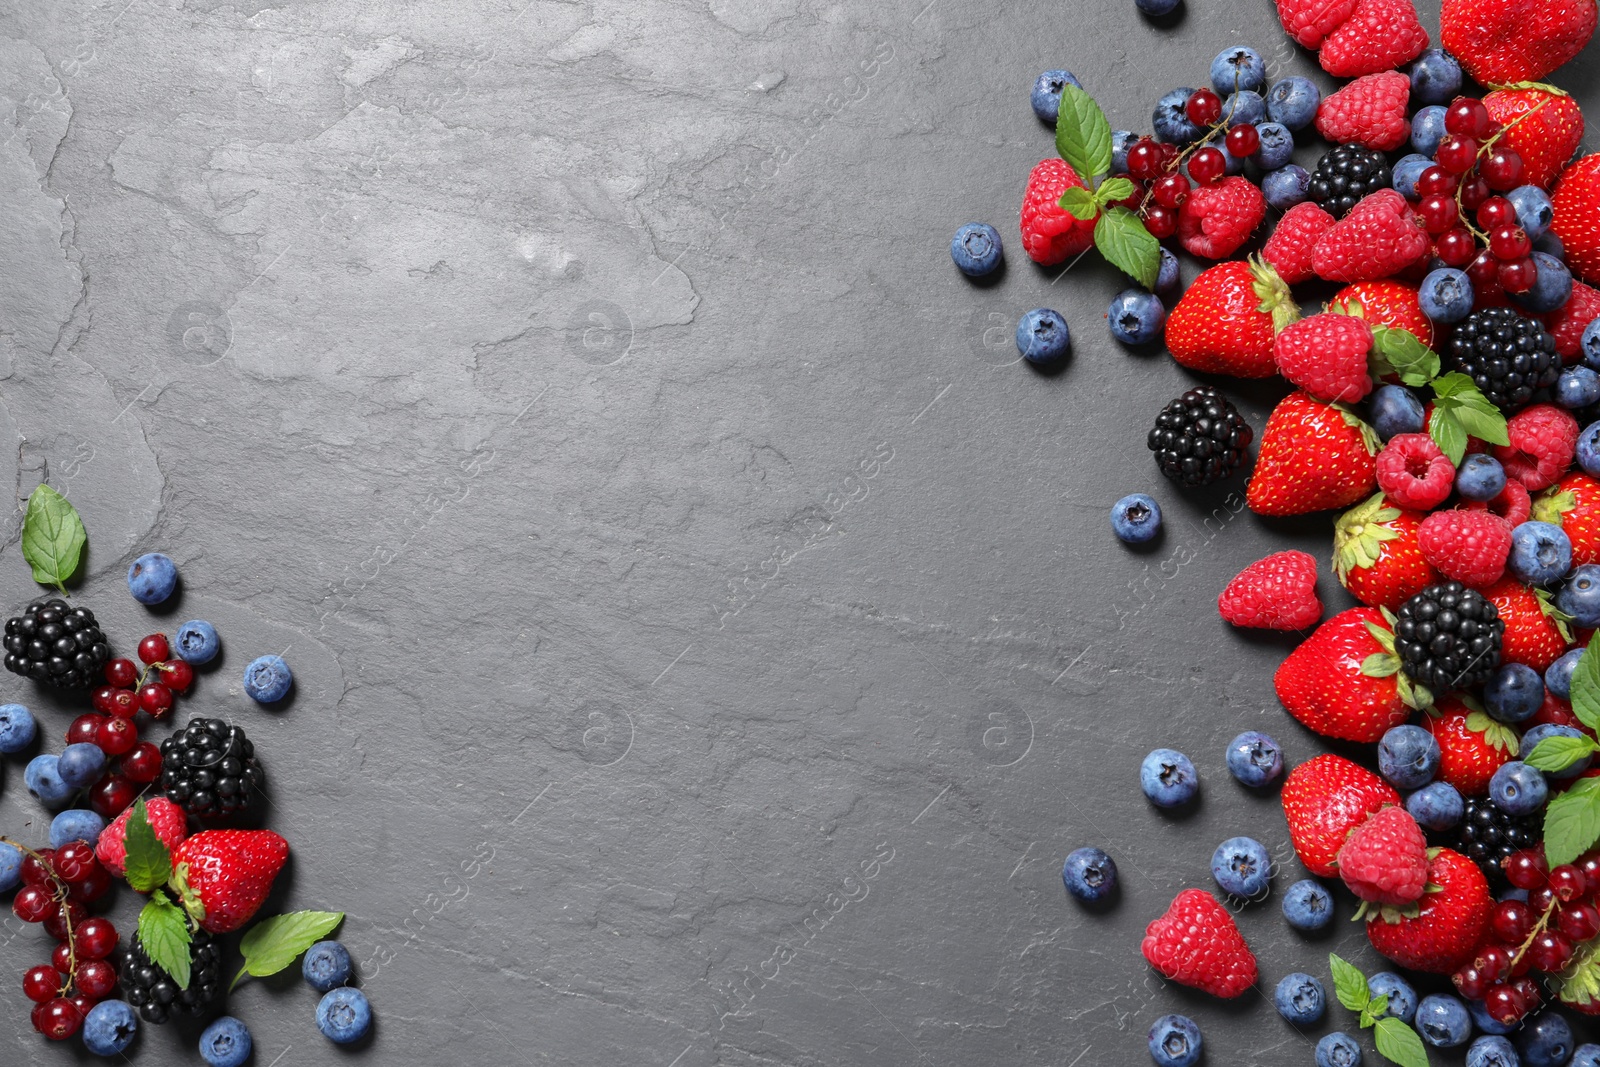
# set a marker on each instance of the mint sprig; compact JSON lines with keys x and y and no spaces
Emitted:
{"x":1572,"y":818}
{"x":148,"y":864}
{"x":164,"y":934}
{"x":52,"y":537}
{"x":1459,"y":409}
{"x":1083,"y":137}
{"x":274,"y":943}
{"x":1396,"y":1041}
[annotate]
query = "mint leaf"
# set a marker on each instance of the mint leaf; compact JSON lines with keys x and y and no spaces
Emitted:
{"x":1586,"y":690}
{"x":148,"y":863}
{"x":1486,"y":426}
{"x":1572,"y":822}
{"x":52,"y":537}
{"x":272,"y":944}
{"x":1113,"y":189}
{"x":165,"y":936}
{"x":1128,"y":246}
{"x":1452,"y":384}
{"x":1398,"y":1043}
{"x":1083,"y":136}
{"x":1080,"y":203}
{"x":1448,"y":434}
{"x":1349,"y":984}
{"x":1558,"y":753}
{"x":1403,"y":353}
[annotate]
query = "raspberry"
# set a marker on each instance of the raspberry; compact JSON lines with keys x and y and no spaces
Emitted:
{"x":1197,"y":943}
{"x":1326,"y":355}
{"x":1217,"y":218}
{"x":209,"y":768}
{"x":1050,"y":235}
{"x":1448,"y":637}
{"x":1414,"y":473}
{"x":1513,"y":504}
{"x":1297,"y":233}
{"x":1379,"y":238}
{"x":1276,"y":593}
{"x":1310,"y":22}
{"x":1370,"y":111}
{"x":1469,"y":546}
{"x":1567,"y":323}
{"x":166,"y":819}
{"x":1379,"y":35}
{"x":1385,"y":860}
{"x":55,"y":643}
{"x":1543,"y":439}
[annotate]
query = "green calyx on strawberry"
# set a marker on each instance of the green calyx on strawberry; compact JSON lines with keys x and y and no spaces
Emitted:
{"x":1579,"y":985}
{"x":1376,"y":555}
{"x":1386,"y":663}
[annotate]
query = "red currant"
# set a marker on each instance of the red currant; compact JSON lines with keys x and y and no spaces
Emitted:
{"x":1503,"y":169}
{"x":1510,"y":242}
{"x":178,"y":675}
{"x":1144,"y":160}
{"x":56,"y":925}
{"x":143,"y":765}
{"x":1436,"y":181}
{"x":153,"y":649}
{"x":1503,"y":1005}
{"x":156,"y":699}
{"x":1474,"y":191}
{"x":75,"y":861}
{"x":1471,"y":983}
{"x":1494,"y":961}
{"x":122,"y":673}
{"x":116,"y":737}
{"x":1527,"y":991}
{"x":96,"y":979}
{"x":1207,"y":165}
{"x":1456,"y":247}
{"x":101,"y":698}
{"x":1526,"y":869}
{"x":1467,"y":117}
{"x":85,"y":728}
{"x":1439,"y":213}
{"x":1161,"y":221}
{"x":1169,"y":191}
{"x":1496,"y":212}
{"x":33,"y":904}
{"x":96,"y":939}
{"x":1243,"y":141}
{"x":125,"y":704}
{"x":57,"y":1019}
{"x":1581,"y":922}
{"x":39,"y":868}
{"x":1203,"y":107}
{"x":41,"y":983}
{"x":1511,"y":921}
{"x":1456,"y":154}
{"x":1519,"y":276}
{"x":1568,"y":881}
{"x":1542,"y":899}
{"x":112,"y":794}
{"x":94,"y":886}
{"x":62,"y":958}
{"x":82,"y":1003}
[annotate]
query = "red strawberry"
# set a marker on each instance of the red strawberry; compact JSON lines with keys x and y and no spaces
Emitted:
{"x":224,"y":875}
{"x":1504,"y":41}
{"x":1326,"y":684}
{"x":1379,"y":35}
{"x":1050,"y":235}
{"x":1314,"y":456}
{"x":1543,"y":440}
{"x":1326,"y":355}
{"x":166,"y":819}
{"x":1297,"y":233}
{"x":1197,"y":944}
{"x":1310,"y":22}
{"x":1573,"y":504}
{"x":1380,"y":237}
{"x":1577,"y":216}
{"x":1385,"y":859}
{"x":1276,"y":593}
{"x":1385,"y":303}
{"x":1535,"y":633}
{"x":1323,"y":800}
{"x":1376,"y":555}
{"x":1567,"y":323}
{"x":1469,"y":546}
{"x":1449,"y":923}
{"x":1472,"y":746}
{"x":1226,"y":321}
{"x":1217,"y":218}
{"x":1370,"y":111}
{"x":1547,"y":139}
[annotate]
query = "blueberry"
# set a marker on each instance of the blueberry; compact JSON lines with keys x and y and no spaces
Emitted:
{"x":1287,"y":186}
{"x":1442,"y":1020}
{"x":80,"y":765}
{"x":109,"y":1027}
{"x":1175,"y":1040}
{"x":1578,"y":387}
{"x":1435,"y":77}
{"x":1307,"y":906}
{"x":1535,"y":212}
{"x":1485,"y":1022}
{"x":1242,"y":867}
{"x":1545,"y":1041}
{"x":327,"y":963}
{"x":1408,"y":756}
{"x":1588,"y":456}
{"x":1300,"y":999}
{"x":76,"y":824}
{"x":1551,"y":289}
{"x":1293,"y":102}
{"x":226,"y":1042}
{"x":1396,"y":410}
{"x":1558,"y":676}
{"x":1157,"y":7}
{"x":1277,"y":145}
{"x":1580,"y":598}
{"x":43,"y":778}
{"x":1136,"y":317}
{"x":1427,"y":129}
{"x":976,"y":249}
{"x":1530,"y":741}
{"x":1238,"y":68}
{"x":1121,"y":142}
{"x":267,"y":679}
{"x":1244,"y":107}
{"x":1517,"y":788}
{"x":10,"y":867}
{"x":1255,"y":758}
{"x":1168,"y":778}
{"x":1046,"y":95}
{"x":1436,"y":806}
{"x":1590,"y":345}
{"x":1540,"y":553}
{"x":1088,"y":873}
{"x":1136,"y":519}
{"x":1550,"y":244}
{"x":344,"y":1016}
{"x":1513,"y":693}
{"x":1481,"y":477}
{"x":1167,"y":279}
{"x":1402,"y":998}
{"x":197,"y":642}
{"x":152,"y":578}
{"x":1043,"y":337}
{"x":1338,"y":1049}
{"x":1406,"y":173}
{"x":17,"y":728}
{"x":1492,"y":1050}
{"x":1171,"y":121}
{"x":1446,"y":295}
{"x":1584,"y":1056}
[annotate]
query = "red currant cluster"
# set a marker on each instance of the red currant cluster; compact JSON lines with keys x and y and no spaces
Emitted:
{"x":57,"y":887}
{"x":1160,"y":188}
{"x":153,"y":689}
{"x":1541,"y":934}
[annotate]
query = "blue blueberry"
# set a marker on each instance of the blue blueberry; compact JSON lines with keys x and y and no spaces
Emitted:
{"x":1402,"y":998}
{"x":1578,"y":387}
{"x":1513,"y":693}
{"x":1483,"y":1020}
{"x":1583,"y":1056}
{"x":227,"y":1043}
{"x":1338,"y":1049}
{"x":1167,"y":279}
{"x":1436,"y":806}
{"x":1136,"y":519}
{"x":1530,"y":741}
{"x":1481,"y":477}
{"x":1396,"y":410}
{"x":1558,"y":676}
{"x":1175,"y":1041}
{"x":1408,"y":756}
{"x":1171,"y":121}
{"x":344,"y":1016}
{"x":109,"y":1027}
{"x":327,"y":963}
{"x":1294,"y":102}
{"x":1136,"y":317}
{"x":1238,"y":68}
{"x":1590,"y":344}
{"x":1435,"y":77}
{"x":976,"y":249}
{"x":1427,"y":129}
{"x":81,"y":765}
{"x":267,"y":679}
{"x":1121,"y":142}
{"x":1277,"y":145}
{"x":197,"y":642}
{"x":1550,"y":244}
{"x":1300,"y":999}
{"x":1043,"y":337}
{"x":1588,"y":451}
{"x":1491,"y":1050}
{"x":1088,"y":873}
{"x":1580,"y":598}
{"x":1244,"y":107}
{"x":1046,"y":95}
{"x":1545,"y":1040}
{"x":1446,"y":295}
{"x":1442,"y":1020}
{"x":1287,"y":186}
{"x":1551,"y":289}
{"x":152,"y":578}
{"x":1255,"y":758}
{"x":1242,"y":867}
{"x":1168,"y":778}
{"x":1157,"y":7}
{"x":17,"y":728}
{"x":1518,"y":789}
{"x":1308,"y":906}
{"x":10,"y":867}
{"x":43,"y":779}
{"x":76,"y":824}
{"x":1406,"y":173}
{"x":1540,"y":553}
{"x":1535,"y":212}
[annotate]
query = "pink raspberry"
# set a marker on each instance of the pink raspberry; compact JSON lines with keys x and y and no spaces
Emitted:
{"x":1380,"y":237}
{"x":1513,"y":504}
{"x":1469,"y":546}
{"x":1276,"y":593}
{"x":1050,"y":235}
{"x":1326,"y":355}
{"x":1543,"y":439}
{"x":1414,"y":473}
{"x":1370,"y":111}
{"x":1217,"y":218}
{"x":1297,"y":233}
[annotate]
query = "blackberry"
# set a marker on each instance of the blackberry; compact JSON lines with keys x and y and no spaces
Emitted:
{"x":1508,"y":357}
{"x":153,"y":992}
{"x":1199,"y":438}
{"x":209,"y":768}
{"x":1448,"y":637}
{"x":1345,"y":175}
{"x":1486,"y":835}
{"x":53,"y":642}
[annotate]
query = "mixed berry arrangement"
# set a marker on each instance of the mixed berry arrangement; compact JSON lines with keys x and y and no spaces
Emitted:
{"x":174,"y":821}
{"x":1444,"y":407}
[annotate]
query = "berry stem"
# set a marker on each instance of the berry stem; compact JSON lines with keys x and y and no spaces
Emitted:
{"x":59,"y":888}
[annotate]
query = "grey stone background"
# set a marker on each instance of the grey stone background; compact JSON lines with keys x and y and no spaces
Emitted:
{"x":709,"y":638}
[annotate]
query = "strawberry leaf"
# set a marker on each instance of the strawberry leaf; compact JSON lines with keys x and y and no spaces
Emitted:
{"x":1083,"y":136}
{"x":165,"y":937}
{"x":1402,"y":353}
{"x":1080,"y":203}
{"x":1572,"y":822}
{"x":1555,"y":754}
{"x":1398,"y":1043}
{"x":274,"y":943}
{"x":1128,"y":246}
{"x":1349,"y":984}
{"x":52,"y":537}
{"x":1586,"y":689}
{"x":148,"y":863}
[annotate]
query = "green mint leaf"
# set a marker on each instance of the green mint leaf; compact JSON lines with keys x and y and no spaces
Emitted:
{"x":274,"y":943}
{"x":1555,"y":754}
{"x":1080,"y":203}
{"x":1349,"y":984}
{"x":1113,"y":189}
{"x":165,"y":936}
{"x":149,"y":864}
{"x":1374,"y":1010}
{"x":1486,"y":426}
{"x":1405,"y":354}
{"x":1572,"y":822}
{"x":1447,"y":433}
{"x":1448,"y":385}
{"x":1586,"y":690}
{"x":1083,"y":136}
{"x":1398,"y":1043}
{"x":52,"y":537}
{"x":1128,"y":246}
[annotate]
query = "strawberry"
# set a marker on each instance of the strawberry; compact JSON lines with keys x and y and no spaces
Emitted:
{"x":1226,"y":321}
{"x":1536,"y":634}
{"x":1326,"y":355}
{"x":1567,"y":323}
{"x":1573,"y":504}
{"x":1370,"y":111}
{"x":1380,"y":237}
{"x":1449,"y":922}
{"x":1323,"y":800}
{"x":1504,"y":41}
{"x":1385,"y":303}
{"x":1215,"y":219}
{"x":1472,"y":746}
{"x":1293,"y":239}
{"x":224,"y":875}
{"x":1050,"y":235}
{"x":1385,"y":858}
{"x":1376,"y":555}
{"x":1314,"y":456}
{"x":166,"y":819}
{"x":1310,"y":22}
{"x":1197,"y":944}
{"x":1379,"y":35}
{"x":1344,"y":680}
{"x":1543,"y":439}
{"x":1546,"y":139}
{"x":1276,"y":593}
{"x":1577,"y":217}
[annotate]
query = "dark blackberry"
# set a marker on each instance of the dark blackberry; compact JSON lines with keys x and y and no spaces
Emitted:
{"x":1448,"y":637}
{"x":1486,"y":835}
{"x":153,"y":992}
{"x":1508,"y":357}
{"x":209,"y":768}
{"x":1346,"y":174}
{"x":1199,"y":438}
{"x":53,"y":642}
